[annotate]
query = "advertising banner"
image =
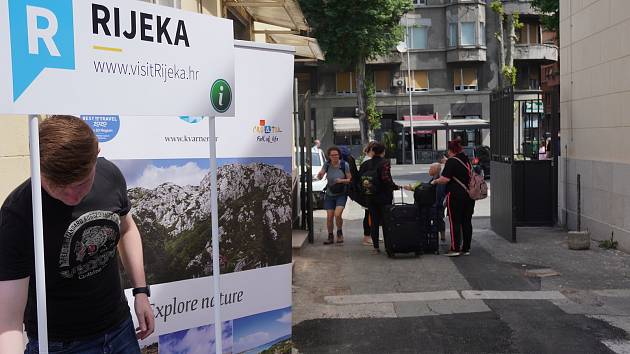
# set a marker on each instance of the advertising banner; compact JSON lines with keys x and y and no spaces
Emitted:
{"x":113,"y":56}
{"x":164,"y":161}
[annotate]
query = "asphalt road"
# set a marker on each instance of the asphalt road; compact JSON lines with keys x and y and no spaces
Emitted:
{"x":348,"y":301}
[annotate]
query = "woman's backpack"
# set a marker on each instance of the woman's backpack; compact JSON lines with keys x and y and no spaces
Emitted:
{"x":477,"y":188}
{"x":354,"y":188}
{"x":370,"y":179}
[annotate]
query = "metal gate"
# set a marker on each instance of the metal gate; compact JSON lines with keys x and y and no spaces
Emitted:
{"x":524,"y":171}
{"x":502,"y":155}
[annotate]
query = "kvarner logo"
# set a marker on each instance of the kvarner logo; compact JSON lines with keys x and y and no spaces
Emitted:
{"x":42,"y":36}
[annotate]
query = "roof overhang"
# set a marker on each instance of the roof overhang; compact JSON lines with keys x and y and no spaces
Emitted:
{"x":282,"y":13}
{"x":306,"y":47}
{"x":446,"y":124}
{"x":346,"y":125}
{"x":289,"y":20}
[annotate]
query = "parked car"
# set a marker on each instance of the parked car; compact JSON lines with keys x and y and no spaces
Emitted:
{"x":318,"y":161}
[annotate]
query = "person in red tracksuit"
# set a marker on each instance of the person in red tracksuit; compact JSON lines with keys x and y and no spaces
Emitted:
{"x":456,"y":176}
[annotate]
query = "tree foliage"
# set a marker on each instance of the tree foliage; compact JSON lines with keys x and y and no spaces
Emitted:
{"x":550,"y":10}
{"x":351,"y":32}
{"x":348,"y":30}
{"x":373,"y":115}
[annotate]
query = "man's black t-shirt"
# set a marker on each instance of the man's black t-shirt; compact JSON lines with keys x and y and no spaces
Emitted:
{"x":454,"y":168}
{"x":84,"y":292}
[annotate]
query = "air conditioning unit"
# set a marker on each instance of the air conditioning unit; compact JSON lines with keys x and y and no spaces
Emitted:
{"x":398,"y":82}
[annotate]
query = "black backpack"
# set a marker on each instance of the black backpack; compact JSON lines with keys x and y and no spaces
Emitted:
{"x":354,"y":189}
{"x":370,"y":180}
{"x":424,"y":195}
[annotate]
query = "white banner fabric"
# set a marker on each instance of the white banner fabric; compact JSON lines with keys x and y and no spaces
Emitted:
{"x":113,"y":57}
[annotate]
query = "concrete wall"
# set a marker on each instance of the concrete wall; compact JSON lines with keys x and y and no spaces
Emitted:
{"x":14,"y":153}
{"x":595,"y":101}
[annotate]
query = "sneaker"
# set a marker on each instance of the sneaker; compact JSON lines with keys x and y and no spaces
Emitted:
{"x":467,"y":253}
{"x":452,"y":254}
{"x":367,"y":242}
{"x":331,"y":240}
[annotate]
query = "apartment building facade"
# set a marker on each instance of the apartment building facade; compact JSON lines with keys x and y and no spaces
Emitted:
{"x":454,"y":66}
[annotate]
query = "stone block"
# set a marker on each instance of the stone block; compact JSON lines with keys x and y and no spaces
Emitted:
{"x":579,"y":240}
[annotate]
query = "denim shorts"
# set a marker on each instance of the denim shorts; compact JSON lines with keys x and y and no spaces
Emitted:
{"x":120,"y":339}
{"x":331,"y":202}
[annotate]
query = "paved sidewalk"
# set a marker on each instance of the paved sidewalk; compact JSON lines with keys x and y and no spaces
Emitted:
{"x":532,"y":296}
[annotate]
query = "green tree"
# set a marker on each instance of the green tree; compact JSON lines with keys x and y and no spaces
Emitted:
{"x":550,"y":14}
{"x":351,"y":32}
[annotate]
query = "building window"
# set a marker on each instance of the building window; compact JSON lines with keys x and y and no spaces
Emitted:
{"x":382,"y":80}
{"x":304,"y":82}
{"x":417,"y":38}
{"x":170,"y":3}
{"x":345,"y":83}
{"x":452,"y":34}
{"x":465,"y":79}
{"x":482,"y":33}
{"x":419,"y":81}
{"x":468,"y":33}
{"x":419,"y":2}
{"x":529,"y":34}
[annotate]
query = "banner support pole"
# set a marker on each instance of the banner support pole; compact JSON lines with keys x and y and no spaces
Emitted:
{"x":214,"y":213}
{"x":38,"y":233}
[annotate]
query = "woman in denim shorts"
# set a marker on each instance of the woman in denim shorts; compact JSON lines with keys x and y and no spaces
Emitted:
{"x":338,"y":175}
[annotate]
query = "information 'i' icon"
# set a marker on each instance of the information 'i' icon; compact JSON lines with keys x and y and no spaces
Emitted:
{"x":221,"y":95}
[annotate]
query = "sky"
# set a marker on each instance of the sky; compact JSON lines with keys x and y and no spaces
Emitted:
{"x":253,"y":331}
{"x":151,"y":173}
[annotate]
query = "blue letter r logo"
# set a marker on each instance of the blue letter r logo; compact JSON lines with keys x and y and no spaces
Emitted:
{"x":42,"y":36}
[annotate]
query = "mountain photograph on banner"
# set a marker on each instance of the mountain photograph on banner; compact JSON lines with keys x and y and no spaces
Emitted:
{"x":170,"y":204}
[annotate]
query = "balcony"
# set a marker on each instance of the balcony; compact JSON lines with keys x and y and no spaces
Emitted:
{"x":389,"y":58}
{"x":466,"y":54}
{"x":545,"y":53}
{"x":520,"y":7}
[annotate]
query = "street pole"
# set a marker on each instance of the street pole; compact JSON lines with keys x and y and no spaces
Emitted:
{"x":413,"y":153}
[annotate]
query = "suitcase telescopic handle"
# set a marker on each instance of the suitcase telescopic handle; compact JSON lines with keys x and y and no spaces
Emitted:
{"x":402,"y":197}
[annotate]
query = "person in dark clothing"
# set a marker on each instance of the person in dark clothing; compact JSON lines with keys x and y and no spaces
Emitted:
{"x":367,"y":232}
{"x":456,"y":176}
{"x":379,"y":188}
{"x":88,"y":231}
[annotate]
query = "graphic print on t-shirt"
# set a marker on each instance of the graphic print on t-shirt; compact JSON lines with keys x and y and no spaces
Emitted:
{"x":89,"y":244}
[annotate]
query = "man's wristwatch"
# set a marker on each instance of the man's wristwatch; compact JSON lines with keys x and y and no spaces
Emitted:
{"x":141,"y":290}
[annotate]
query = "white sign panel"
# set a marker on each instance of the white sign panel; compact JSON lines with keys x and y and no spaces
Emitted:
{"x":113,"y":57}
{"x":166,"y":167}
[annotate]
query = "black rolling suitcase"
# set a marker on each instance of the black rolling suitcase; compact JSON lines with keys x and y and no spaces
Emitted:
{"x":402,"y":229}
{"x":429,"y":227}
